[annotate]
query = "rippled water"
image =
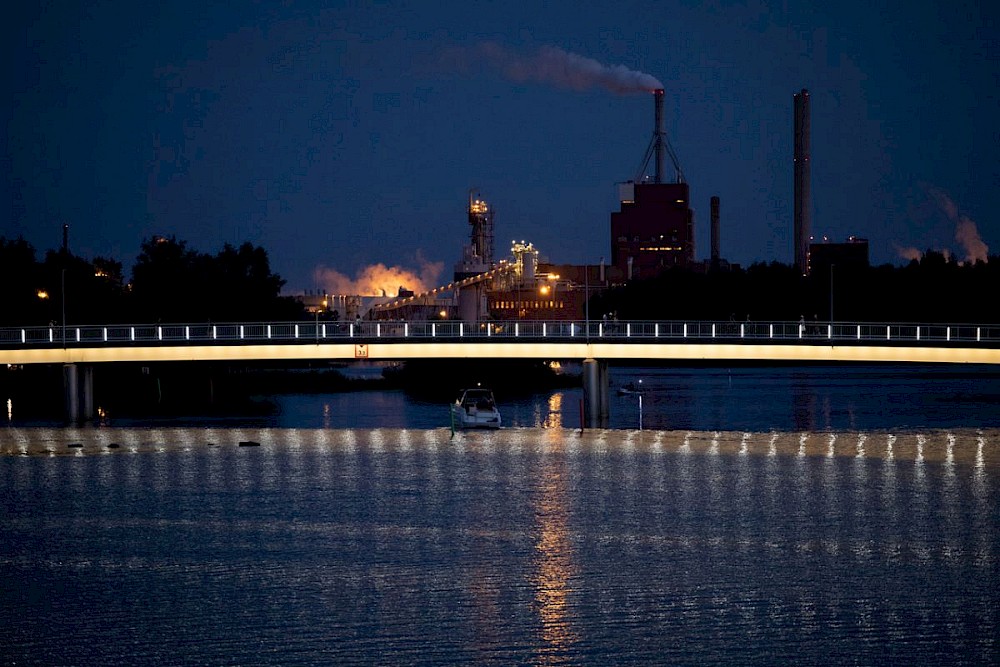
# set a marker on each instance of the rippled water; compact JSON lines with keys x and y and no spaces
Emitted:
{"x":524,"y":546}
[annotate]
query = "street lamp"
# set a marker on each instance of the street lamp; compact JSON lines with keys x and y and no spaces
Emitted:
{"x":831,"y":292}
{"x":62,"y":292}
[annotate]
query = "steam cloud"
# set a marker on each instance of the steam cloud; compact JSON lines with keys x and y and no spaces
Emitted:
{"x":554,"y":66}
{"x":909,"y":253}
{"x":966,"y":232}
{"x":378,"y":278}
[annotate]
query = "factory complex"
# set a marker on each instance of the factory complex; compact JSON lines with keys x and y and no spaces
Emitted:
{"x":652,"y":231}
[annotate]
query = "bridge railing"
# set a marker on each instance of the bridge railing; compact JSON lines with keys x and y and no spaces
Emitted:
{"x":570,"y":331}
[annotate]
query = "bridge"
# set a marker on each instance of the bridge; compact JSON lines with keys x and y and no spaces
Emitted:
{"x":594,"y":343}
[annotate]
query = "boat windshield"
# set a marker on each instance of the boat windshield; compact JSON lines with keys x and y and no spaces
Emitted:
{"x":481,"y":398}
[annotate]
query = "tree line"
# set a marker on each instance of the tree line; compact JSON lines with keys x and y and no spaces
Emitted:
{"x":932,"y":289}
{"x":169,"y":282}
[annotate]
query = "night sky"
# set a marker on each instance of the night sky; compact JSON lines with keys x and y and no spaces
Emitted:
{"x":341,"y":136}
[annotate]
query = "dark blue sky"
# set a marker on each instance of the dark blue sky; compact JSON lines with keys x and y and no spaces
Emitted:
{"x":342,"y":135}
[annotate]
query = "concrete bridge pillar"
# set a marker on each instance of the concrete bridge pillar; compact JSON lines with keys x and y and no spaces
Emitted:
{"x":71,"y":392}
{"x":87,"y":393}
{"x":78,"y":390}
{"x":602,"y":373}
{"x":595,"y":393}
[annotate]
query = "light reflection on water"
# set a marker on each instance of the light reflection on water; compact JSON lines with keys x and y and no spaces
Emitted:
{"x":521,"y":546}
{"x":554,"y":563}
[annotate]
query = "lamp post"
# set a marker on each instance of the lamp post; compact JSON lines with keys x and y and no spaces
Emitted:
{"x":831,"y":292}
{"x":62,"y":294}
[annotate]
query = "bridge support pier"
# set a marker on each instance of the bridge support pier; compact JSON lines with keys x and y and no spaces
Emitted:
{"x":595,"y":393}
{"x":78,"y":392}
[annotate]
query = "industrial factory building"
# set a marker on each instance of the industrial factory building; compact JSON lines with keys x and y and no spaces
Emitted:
{"x":515,"y":288}
{"x":851,"y":254}
{"x":654,"y":230}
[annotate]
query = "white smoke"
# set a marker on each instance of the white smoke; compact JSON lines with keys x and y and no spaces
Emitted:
{"x":910,"y":253}
{"x":966,"y":232}
{"x":561,"y":68}
{"x":379,"y":279}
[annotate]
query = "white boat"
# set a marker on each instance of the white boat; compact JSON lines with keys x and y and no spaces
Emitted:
{"x":475,"y":408}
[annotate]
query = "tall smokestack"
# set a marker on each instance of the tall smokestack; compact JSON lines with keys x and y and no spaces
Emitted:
{"x":65,"y":245}
{"x":803,"y":218}
{"x":659,"y":133}
{"x":715,"y":232}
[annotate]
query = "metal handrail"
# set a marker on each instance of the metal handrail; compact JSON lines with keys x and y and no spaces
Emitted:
{"x":842,"y":333}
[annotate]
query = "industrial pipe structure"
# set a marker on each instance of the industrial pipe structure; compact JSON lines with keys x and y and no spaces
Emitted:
{"x":658,"y":133}
{"x":802,"y":195}
{"x":659,"y":146}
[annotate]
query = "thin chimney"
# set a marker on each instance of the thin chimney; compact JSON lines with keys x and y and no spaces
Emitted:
{"x":659,"y":132}
{"x":803,"y":204}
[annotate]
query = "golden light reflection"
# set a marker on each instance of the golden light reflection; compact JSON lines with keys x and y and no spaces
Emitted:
{"x":554,"y":418}
{"x":555,"y":567}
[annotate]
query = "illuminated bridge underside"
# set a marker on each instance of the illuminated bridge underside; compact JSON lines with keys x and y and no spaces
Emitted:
{"x":389,"y":351}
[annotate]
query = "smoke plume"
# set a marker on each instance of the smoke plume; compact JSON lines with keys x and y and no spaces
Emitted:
{"x":909,"y":254}
{"x":966,"y":232}
{"x":560,"y":68}
{"x":379,"y":279}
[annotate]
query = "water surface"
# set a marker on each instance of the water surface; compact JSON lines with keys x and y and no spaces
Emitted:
{"x":523,"y":546}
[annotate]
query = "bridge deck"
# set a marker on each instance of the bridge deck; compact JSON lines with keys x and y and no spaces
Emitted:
{"x":652,"y":341}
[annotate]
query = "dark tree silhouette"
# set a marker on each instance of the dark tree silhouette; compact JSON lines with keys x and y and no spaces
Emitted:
{"x":243,"y":275}
{"x":22,"y":284}
{"x":934,"y":289}
{"x":171,"y":283}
